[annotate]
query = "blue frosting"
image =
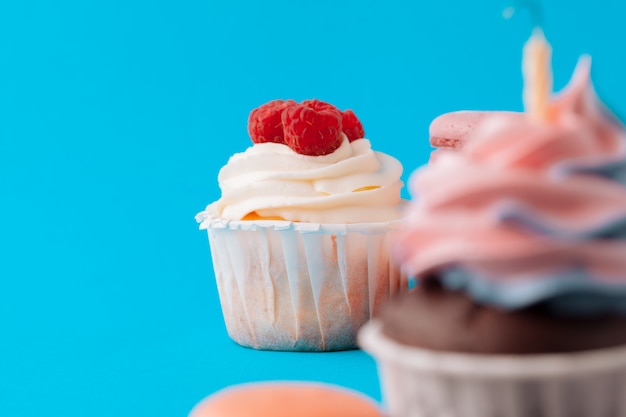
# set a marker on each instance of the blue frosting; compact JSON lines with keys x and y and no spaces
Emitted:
{"x":516,"y":212}
{"x":614,"y":170}
{"x":570,"y":293}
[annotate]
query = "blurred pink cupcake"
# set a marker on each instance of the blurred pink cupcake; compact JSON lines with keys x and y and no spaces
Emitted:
{"x":519,"y":241}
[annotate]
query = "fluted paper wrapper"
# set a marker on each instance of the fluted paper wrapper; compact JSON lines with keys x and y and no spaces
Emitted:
{"x":423,"y":383}
{"x":300,"y":286}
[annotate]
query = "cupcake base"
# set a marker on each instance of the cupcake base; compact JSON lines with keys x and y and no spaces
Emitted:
{"x":300,"y":286}
{"x":419,"y":382}
{"x":433,"y":317}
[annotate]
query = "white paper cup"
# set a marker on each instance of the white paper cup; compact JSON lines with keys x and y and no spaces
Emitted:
{"x":424,"y":383}
{"x":300,"y":286}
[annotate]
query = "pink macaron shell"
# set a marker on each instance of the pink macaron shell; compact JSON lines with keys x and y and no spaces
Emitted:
{"x":453,"y":130}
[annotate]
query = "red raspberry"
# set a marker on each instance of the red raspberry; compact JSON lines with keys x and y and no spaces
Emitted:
{"x":319,"y":105}
{"x":264,"y":123}
{"x":351,"y":126}
{"x":312,"y":132}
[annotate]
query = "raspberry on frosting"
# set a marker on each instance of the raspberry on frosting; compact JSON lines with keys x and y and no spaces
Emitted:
{"x":319,"y":105}
{"x":264,"y":123}
{"x":312,"y":127}
{"x":312,"y":132}
{"x":352,"y":126}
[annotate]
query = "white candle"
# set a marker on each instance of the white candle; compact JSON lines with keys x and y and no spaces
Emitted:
{"x":537,"y":72}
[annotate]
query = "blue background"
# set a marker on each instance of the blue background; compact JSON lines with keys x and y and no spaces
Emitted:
{"x":115,"y":117}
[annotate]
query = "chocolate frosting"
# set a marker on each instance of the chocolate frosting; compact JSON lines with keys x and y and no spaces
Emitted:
{"x":436,"y":318}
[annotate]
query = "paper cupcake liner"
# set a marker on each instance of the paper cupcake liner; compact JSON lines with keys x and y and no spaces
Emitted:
{"x":300,"y":286}
{"x":423,"y":383}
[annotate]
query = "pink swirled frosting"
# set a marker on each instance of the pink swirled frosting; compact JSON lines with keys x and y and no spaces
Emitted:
{"x":528,"y":211}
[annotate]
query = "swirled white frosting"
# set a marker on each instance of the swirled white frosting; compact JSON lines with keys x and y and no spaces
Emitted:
{"x":354,"y":184}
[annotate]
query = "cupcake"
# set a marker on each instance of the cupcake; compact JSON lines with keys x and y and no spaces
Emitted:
{"x":286,"y":399}
{"x":519,"y":243}
{"x":299,"y":237}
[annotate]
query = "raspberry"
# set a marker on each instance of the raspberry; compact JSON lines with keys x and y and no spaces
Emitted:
{"x":264,"y":123}
{"x":352,"y":127}
{"x":319,"y":105}
{"x":313,"y":132}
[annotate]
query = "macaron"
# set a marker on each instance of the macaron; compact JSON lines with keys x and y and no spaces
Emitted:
{"x":451,"y":131}
{"x":286,"y":399}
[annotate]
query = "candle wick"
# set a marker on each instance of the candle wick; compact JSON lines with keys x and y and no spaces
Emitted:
{"x":533,"y":7}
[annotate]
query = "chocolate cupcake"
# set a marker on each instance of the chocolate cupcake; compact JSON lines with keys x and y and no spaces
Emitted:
{"x":435,"y":317}
{"x":518,"y":241}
